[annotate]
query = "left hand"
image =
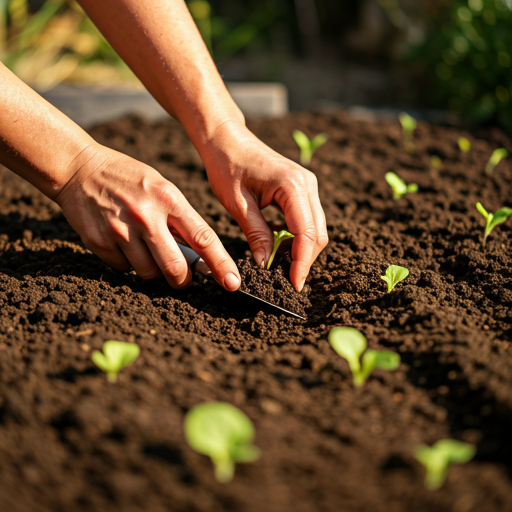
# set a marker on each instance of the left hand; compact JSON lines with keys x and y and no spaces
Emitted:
{"x":246,"y":175}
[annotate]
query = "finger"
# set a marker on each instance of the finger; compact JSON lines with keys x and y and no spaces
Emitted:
{"x":201,"y":237}
{"x":319,"y":218}
{"x":142,"y":261}
{"x":110,"y":254}
{"x":168,"y":256}
{"x":294,"y":201}
{"x":255,"y":228}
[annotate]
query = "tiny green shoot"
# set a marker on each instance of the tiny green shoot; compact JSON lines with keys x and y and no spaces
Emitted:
{"x":223,"y":433}
{"x":408,"y":126}
{"x":493,"y":219}
{"x":439,"y":457}
{"x":497,"y":156}
{"x":278,"y":238}
{"x":308,"y":146}
{"x":435,"y":162}
{"x":116,"y":355}
{"x":464,"y":144}
{"x":394,"y":274}
{"x":399,"y":186}
{"x":350,"y":344}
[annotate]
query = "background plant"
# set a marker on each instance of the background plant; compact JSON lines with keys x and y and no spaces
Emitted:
{"x":116,"y":356}
{"x":394,"y":274}
{"x":223,"y":433}
{"x":464,"y":144}
{"x":439,"y":457}
{"x":399,"y":186}
{"x":350,"y":344}
{"x":308,"y":146}
{"x":408,"y":126}
{"x":493,"y":219}
{"x":497,"y":156}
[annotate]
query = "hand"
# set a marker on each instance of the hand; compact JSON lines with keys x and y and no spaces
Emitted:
{"x":246,"y":176}
{"x":125,"y":211}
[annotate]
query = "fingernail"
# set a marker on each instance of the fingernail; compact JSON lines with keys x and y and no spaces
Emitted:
{"x":301,"y":285}
{"x":231,"y":282}
{"x":259,"y":257}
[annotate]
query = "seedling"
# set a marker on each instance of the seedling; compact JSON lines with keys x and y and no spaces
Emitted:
{"x":394,"y":274}
{"x":278,"y":238}
{"x":493,"y":219}
{"x":308,"y":146}
{"x":464,"y":144}
{"x":116,"y":355}
{"x":439,"y":457}
{"x":223,"y":433}
{"x":399,"y":186}
{"x":435,"y":162}
{"x":408,"y":126}
{"x":497,"y":156}
{"x":350,"y":344}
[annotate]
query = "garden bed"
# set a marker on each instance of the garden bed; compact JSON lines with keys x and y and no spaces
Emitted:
{"x":71,"y":441}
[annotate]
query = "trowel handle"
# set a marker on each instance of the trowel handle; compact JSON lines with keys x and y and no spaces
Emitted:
{"x":195,"y":262}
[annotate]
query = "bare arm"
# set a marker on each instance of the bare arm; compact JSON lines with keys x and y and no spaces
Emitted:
{"x":159,"y":41}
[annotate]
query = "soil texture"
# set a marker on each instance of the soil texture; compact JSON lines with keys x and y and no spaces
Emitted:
{"x":72,"y":441}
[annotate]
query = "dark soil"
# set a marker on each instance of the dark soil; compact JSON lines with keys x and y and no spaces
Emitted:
{"x":71,"y":441}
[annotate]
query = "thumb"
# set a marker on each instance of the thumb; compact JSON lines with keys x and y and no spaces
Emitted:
{"x":256,"y":230}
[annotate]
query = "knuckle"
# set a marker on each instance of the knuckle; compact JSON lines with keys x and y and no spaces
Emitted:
{"x":97,"y":243}
{"x":310,"y":234}
{"x":120,"y":231}
{"x":149,"y":273}
{"x":204,"y":238}
{"x":176,"y":269}
{"x":323,"y":240}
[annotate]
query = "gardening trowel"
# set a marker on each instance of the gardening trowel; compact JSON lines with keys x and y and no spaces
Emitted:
{"x":197,"y":265}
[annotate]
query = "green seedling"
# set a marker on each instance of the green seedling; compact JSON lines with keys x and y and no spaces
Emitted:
{"x":408,"y":126}
{"x":439,"y":457}
{"x":399,"y":186}
{"x":223,"y":433}
{"x":493,"y":219}
{"x":308,"y":146}
{"x":350,"y":344}
{"x":464,"y":144}
{"x":435,"y":162}
{"x":497,"y":156}
{"x":116,"y":355}
{"x":278,"y":238}
{"x":394,"y":274}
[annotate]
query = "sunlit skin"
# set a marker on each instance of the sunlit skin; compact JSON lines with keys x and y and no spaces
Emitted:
{"x":125,"y":211}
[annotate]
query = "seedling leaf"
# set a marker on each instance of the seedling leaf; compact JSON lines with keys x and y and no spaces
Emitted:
{"x":350,"y":344}
{"x":435,"y":162}
{"x":116,"y":355}
{"x":464,"y":144}
{"x":439,"y":457}
{"x":223,"y":433}
{"x":278,"y":238}
{"x":493,"y":219}
{"x":496,"y":157}
{"x":399,"y":186}
{"x":408,"y":126}
{"x":308,"y":147}
{"x":394,"y":274}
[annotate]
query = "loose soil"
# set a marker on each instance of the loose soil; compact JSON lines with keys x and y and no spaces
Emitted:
{"x":71,"y":441}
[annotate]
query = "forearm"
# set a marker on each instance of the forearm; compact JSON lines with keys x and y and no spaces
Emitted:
{"x":36,"y":140}
{"x":160,"y":42}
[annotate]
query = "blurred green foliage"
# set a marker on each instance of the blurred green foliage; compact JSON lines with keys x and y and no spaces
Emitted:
{"x":468,"y":57}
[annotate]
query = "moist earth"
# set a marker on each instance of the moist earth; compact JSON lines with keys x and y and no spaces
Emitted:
{"x":72,"y":441}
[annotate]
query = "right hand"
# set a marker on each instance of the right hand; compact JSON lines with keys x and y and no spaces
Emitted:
{"x":124,"y":211}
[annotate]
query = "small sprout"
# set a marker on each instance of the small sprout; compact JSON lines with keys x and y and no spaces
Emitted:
{"x":408,"y":126}
{"x":223,"y":433}
{"x":398,"y":185}
{"x":439,"y":457}
{"x":464,"y":144}
{"x":308,"y":146}
{"x":493,"y":219}
{"x":116,"y":355}
{"x":394,"y":274}
{"x":435,"y":162}
{"x":278,"y":238}
{"x":350,"y":344}
{"x":496,"y":157}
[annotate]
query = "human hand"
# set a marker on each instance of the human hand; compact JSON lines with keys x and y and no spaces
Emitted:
{"x":246,"y":176}
{"x":125,"y":212}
